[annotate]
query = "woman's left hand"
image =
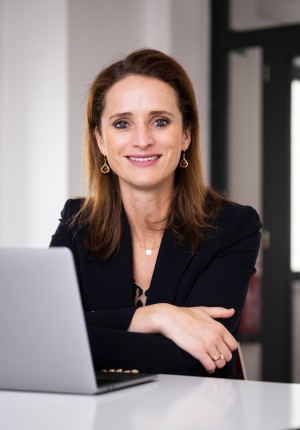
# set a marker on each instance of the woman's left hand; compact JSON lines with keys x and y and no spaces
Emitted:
{"x":194,"y":329}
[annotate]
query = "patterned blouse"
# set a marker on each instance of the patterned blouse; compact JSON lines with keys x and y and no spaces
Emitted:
{"x":140,"y":295}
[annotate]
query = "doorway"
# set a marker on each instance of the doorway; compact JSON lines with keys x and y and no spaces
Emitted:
{"x":255,"y":144}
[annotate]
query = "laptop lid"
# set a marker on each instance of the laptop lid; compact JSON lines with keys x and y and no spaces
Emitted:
{"x":43,"y":338}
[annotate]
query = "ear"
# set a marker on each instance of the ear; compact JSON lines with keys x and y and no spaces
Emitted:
{"x":100,"y":141}
{"x":186,"y":139}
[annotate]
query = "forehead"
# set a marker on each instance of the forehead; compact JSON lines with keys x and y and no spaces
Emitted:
{"x":141,"y":92}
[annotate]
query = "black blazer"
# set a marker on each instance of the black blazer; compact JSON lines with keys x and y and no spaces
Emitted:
{"x":218,"y":274}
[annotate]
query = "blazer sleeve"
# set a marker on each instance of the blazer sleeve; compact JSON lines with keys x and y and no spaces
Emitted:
{"x":226,"y":279}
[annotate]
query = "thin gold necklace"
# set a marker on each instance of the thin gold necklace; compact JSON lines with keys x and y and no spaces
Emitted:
{"x":148,"y":251}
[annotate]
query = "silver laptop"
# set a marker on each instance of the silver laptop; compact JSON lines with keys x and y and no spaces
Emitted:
{"x":43,"y":337}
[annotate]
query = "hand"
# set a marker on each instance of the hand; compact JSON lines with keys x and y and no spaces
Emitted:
{"x":192,"y":329}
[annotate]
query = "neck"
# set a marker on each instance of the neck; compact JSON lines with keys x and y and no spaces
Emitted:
{"x":146,"y":214}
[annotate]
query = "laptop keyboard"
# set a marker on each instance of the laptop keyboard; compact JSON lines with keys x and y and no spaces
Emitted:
{"x":110,"y":376}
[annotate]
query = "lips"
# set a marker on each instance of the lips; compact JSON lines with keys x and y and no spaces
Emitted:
{"x":144,"y":159}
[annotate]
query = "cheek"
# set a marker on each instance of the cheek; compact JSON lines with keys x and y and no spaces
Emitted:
{"x":117,"y":144}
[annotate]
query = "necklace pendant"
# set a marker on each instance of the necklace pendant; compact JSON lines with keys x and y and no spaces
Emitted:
{"x":148,"y":251}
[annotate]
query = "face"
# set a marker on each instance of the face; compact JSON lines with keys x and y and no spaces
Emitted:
{"x":142,"y":132}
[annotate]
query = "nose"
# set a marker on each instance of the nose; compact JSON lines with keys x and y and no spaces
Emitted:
{"x":143,"y":137}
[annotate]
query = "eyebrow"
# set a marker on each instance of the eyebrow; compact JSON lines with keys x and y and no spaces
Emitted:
{"x":119,"y":115}
{"x":161,"y":112}
{"x":153,"y":112}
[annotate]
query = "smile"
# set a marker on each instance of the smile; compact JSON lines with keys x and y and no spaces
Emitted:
{"x":144,"y":159}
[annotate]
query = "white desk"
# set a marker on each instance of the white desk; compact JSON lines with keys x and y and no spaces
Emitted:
{"x":171,"y":403}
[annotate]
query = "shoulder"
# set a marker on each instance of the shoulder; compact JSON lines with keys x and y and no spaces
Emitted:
{"x":225,"y":212}
{"x":66,"y":231}
{"x":236,"y":220}
{"x":234,"y":212}
{"x":71,"y":209}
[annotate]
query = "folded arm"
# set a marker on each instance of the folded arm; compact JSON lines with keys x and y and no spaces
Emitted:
{"x":193,"y":329}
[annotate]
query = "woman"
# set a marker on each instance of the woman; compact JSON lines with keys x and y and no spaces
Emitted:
{"x":163,"y":261}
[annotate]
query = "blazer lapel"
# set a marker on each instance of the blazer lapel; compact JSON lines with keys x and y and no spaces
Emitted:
{"x":172,"y":261}
{"x":115,"y":275}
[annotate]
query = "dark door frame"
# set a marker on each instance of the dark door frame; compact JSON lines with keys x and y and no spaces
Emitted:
{"x":278,"y":45}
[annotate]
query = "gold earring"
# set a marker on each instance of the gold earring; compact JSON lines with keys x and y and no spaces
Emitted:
{"x":105,"y":168}
{"x":183,"y":163}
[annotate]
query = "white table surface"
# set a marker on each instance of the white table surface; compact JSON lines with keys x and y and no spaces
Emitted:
{"x":171,"y":403}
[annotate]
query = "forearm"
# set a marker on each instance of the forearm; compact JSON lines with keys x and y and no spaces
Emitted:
{"x":148,"y":353}
{"x":141,"y":347}
{"x":115,"y":318}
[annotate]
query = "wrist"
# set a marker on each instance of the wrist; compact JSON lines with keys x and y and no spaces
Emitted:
{"x":150,"y":319}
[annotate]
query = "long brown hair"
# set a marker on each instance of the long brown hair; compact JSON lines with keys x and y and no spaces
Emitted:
{"x":194,"y":205}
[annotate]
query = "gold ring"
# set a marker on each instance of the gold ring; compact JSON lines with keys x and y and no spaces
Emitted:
{"x":218,"y":357}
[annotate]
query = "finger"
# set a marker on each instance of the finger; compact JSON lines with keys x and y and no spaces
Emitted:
{"x":218,"y":312}
{"x":208,"y":363}
{"x":218,"y":358}
{"x":222,"y":356}
{"x":230,"y":341}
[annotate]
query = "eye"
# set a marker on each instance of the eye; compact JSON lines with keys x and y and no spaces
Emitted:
{"x":121,"y":123}
{"x":161,"y":122}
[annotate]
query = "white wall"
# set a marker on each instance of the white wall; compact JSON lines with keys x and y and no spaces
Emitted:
{"x":50,"y":51}
{"x":33,"y":119}
{"x":191,"y":46}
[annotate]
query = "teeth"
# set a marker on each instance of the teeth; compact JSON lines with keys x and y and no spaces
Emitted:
{"x":144,"y":158}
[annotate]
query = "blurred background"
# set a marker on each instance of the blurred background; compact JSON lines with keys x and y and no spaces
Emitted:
{"x":244,"y":60}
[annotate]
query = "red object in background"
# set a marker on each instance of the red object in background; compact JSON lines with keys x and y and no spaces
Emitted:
{"x":251,"y":316}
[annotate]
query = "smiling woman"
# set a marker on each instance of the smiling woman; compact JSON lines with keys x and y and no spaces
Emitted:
{"x":159,"y":255}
